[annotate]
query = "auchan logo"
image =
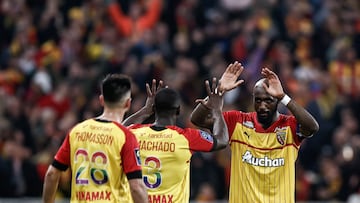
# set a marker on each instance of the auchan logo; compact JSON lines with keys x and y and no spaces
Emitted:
{"x":265,"y":162}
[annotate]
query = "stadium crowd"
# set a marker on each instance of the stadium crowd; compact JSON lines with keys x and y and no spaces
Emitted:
{"x":54,"y":53}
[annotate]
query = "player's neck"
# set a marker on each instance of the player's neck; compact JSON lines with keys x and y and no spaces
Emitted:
{"x":267,"y":124}
{"x":162,"y":122}
{"x":113,"y":115}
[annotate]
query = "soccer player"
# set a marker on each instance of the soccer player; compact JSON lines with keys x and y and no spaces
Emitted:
{"x":102,"y":154}
{"x":166,"y":149}
{"x":264,"y":144}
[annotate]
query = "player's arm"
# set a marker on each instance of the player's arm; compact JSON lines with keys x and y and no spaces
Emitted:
{"x":201,"y":115}
{"x":51,"y":182}
{"x":52,"y":178}
{"x":53,"y":174}
{"x":147,"y":110}
{"x":138,"y":190}
{"x":215,"y":104}
{"x":308,"y":124}
{"x":130,"y":155}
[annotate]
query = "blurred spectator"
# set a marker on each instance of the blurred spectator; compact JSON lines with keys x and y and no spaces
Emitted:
{"x":53,"y":54}
{"x":142,"y":16}
{"x":207,"y":178}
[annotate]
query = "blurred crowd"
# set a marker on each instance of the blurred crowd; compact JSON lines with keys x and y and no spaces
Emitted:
{"x":54,"y":53}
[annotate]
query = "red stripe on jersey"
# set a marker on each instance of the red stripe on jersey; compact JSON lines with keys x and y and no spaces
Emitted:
{"x":265,"y":149}
{"x":234,"y":117}
{"x":63,"y":154}
{"x":129,"y":152}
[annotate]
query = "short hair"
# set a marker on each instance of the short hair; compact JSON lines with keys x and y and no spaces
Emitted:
{"x":114,"y":87}
{"x":260,"y":82}
{"x":167,"y":99}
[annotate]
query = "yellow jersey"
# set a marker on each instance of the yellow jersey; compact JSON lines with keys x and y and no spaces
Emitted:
{"x":102,"y":155}
{"x":262,"y":160}
{"x":165,"y":156}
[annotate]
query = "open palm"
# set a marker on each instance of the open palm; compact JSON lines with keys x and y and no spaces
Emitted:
{"x":275,"y":88}
{"x":229,"y":79}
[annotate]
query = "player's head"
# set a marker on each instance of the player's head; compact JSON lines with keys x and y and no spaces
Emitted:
{"x":116,"y":91}
{"x":167,"y":102}
{"x":265,"y":105}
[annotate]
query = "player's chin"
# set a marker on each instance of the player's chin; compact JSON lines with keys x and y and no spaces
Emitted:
{"x":263,"y":117}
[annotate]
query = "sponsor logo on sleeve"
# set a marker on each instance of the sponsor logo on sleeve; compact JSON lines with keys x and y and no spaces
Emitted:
{"x":206,"y":136}
{"x":137,"y":156}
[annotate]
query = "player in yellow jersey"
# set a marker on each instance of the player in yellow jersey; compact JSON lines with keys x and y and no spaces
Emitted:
{"x":264,"y":144}
{"x":166,"y":149}
{"x":103,"y":155}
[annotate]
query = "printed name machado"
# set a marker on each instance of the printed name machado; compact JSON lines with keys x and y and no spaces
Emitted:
{"x":157,"y":146}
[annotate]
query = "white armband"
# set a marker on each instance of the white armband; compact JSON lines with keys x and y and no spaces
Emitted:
{"x":285,"y":100}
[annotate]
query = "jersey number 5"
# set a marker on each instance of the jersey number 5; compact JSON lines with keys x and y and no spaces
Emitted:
{"x":98,"y":175}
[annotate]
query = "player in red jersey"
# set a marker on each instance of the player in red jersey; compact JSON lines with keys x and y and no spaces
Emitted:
{"x":166,"y":149}
{"x":102,"y":154}
{"x":264,"y":144}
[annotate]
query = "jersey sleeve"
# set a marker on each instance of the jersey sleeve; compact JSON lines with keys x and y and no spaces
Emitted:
{"x":295,"y":130}
{"x":62,"y":156}
{"x":199,"y":140}
{"x":130,"y":155}
{"x":231,"y":118}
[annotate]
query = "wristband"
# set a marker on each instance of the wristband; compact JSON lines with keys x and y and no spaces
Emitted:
{"x":285,"y":100}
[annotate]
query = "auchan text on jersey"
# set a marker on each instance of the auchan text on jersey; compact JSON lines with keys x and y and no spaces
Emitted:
{"x":266,"y":161}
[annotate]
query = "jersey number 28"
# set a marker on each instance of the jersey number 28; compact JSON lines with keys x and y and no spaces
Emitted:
{"x":98,"y":175}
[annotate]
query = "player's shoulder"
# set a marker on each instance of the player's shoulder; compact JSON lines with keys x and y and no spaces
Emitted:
{"x":287,"y":118}
{"x":137,"y":126}
{"x":175,"y":128}
{"x":182,"y":131}
{"x":239,"y":115}
{"x":237,"y":112}
{"x":82,"y":124}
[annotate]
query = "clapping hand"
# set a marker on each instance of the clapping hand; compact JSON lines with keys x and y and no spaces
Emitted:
{"x":229,"y":79}
{"x":215,"y":97}
{"x":151,"y":92}
{"x":275,"y":88}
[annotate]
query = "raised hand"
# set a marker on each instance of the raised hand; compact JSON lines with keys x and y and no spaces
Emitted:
{"x":147,"y":110}
{"x":151,"y":91}
{"x":229,"y":79}
{"x":275,"y":88}
{"x":214,"y":99}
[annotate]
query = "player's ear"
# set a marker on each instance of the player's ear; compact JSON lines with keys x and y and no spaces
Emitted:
{"x":128,"y":103}
{"x":101,"y":99}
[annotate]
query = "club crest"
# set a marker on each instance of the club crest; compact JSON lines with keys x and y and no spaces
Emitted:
{"x":281,"y":137}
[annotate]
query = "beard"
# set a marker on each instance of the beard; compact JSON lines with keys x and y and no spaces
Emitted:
{"x":265,"y":118}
